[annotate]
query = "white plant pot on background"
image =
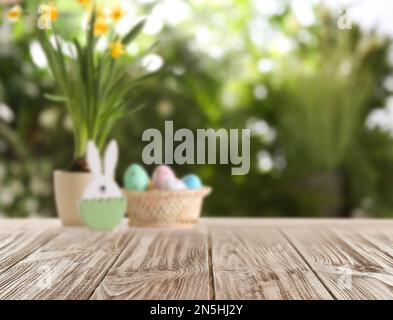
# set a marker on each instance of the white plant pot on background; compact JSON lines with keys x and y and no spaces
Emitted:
{"x":69,"y":187}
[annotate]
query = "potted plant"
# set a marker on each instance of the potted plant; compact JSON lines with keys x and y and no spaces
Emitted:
{"x":317,"y":128}
{"x":96,"y":89}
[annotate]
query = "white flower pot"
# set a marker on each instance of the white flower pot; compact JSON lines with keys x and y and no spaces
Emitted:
{"x":69,"y":187}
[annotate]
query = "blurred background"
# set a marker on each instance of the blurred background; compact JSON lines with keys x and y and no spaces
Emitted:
{"x":313,"y":80}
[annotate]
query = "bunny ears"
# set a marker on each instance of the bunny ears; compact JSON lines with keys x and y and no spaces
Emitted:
{"x":110,"y":159}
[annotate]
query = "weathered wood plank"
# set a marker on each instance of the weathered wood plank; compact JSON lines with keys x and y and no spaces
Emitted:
{"x":20,"y":238}
{"x":160,"y":264}
{"x":259,"y":263}
{"x":352,"y":262}
{"x":70,"y":266}
{"x":293,"y":222}
{"x":252,"y":259}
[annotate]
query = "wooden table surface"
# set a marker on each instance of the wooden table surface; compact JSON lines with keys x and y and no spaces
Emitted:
{"x":218,"y":259}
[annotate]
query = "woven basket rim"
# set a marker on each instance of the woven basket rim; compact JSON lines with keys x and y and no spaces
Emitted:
{"x":204,"y":191}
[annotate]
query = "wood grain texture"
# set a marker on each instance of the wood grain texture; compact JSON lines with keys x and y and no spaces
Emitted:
{"x":259,"y":263}
{"x":19,"y":239}
{"x":220,"y":258}
{"x":352,"y":262}
{"x":70,"y":266}
{"x":160,"y":264}
{"x":293,"y":222}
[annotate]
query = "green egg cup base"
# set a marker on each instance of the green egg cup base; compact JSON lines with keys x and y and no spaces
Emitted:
{"x":104,"y":214}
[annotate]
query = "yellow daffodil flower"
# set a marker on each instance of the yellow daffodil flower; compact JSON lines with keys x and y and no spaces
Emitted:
{"x":117,"y":49}
{"x":84,"y":2}
{"x":14,"y":13}
{"x":117,"y":13}
{"x":54,"y":12}
{"x":100,"y":13}
{"x":100,"y":26}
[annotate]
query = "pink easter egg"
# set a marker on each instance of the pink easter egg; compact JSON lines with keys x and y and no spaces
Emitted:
{"x":160,"y":174}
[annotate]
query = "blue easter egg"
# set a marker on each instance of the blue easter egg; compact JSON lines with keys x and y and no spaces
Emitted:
{"x":136,"y":178}
{"x":192,"y":181}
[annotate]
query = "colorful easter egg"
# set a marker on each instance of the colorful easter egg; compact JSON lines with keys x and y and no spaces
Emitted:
{"x":173,"y":184}
{"x":136,"y":178}
{"x":192,"y":181}
{"x":160,"y":174}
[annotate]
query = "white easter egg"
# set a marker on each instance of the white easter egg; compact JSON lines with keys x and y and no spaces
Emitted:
{"x":173,"y":184}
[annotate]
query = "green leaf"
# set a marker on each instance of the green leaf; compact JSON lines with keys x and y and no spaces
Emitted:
{"x":56,"y":98}
{"x":133,"y":33}
{"x":136,"y":109}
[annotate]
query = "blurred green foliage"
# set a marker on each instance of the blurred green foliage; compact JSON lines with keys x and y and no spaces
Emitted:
{"x":304,"y":90}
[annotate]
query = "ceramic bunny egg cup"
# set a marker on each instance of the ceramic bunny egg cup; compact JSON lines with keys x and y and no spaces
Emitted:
{"x":103,"y":205}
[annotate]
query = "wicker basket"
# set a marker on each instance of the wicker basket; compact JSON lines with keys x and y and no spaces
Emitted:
{"x":165,"y":208}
